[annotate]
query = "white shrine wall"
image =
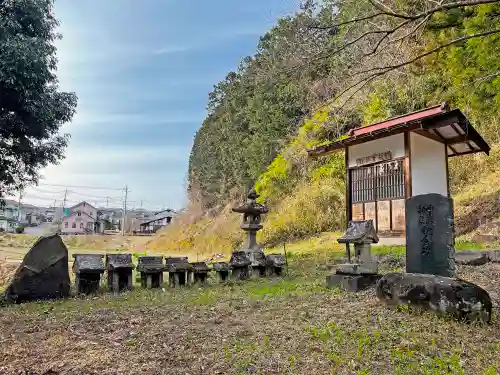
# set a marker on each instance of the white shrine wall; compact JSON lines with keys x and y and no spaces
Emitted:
{"x":428,"y":166}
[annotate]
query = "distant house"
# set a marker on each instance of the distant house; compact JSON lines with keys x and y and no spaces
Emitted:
{"x":11,"y":216}
{"x":158,"y":221}
{"x":111,"y":218}
{"x":81,"y":219}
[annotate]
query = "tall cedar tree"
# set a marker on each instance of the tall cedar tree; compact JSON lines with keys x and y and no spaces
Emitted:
{"x":32,"y":109}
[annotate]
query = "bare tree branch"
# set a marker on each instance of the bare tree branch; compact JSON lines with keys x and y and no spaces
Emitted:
{"x":386,"y":11}
{"x":427,"y":53}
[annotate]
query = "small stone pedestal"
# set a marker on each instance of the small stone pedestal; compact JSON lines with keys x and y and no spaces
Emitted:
{"x":240,"y":265}
{"x":88,"y":269}
{"x":151,"y":269}
{"x":275,"y":263}
{"x":200,"y":273}
{"x":361,"y":273}
{"x":258,"y":263}
{"x":119,"y":268}
{"x":180,"y":272}
{"x":221,"y":271}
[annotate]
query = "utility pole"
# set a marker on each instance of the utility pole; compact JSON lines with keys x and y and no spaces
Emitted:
{"x":63,"y":207}
{"x":107,"y":202}
{"x":19,"y":205}
{"x":124,"y":210}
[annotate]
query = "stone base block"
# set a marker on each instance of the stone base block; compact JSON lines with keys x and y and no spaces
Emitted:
{"x":358,"y":269}
{"x":471,"y":258}
{"x":351,"y":283}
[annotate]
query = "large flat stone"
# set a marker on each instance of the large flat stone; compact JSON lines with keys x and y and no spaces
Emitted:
{"x":472,"y":257}
{"x":444,"y":295}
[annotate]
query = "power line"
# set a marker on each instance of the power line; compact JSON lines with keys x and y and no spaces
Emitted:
{"x":81,"y":187}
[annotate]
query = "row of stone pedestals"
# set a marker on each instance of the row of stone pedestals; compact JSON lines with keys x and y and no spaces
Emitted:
{"x":89,"y":268}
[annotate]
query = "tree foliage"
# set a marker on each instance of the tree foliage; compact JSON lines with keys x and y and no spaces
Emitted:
{"x":32,"y":109}
{"x":335,"y":65}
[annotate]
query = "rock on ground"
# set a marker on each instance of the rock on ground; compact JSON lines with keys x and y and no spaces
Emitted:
{"x":437,"y":293}
{"x":43,"y":274}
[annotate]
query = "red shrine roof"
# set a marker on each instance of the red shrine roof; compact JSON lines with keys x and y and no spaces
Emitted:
{"x":439,"y":123}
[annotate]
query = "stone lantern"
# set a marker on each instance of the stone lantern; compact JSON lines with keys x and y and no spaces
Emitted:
{"x":252,"y":212}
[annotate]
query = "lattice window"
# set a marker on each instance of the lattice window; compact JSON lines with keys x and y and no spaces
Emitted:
{"x":378,"y":182}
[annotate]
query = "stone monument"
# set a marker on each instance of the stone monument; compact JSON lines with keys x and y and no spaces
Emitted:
{"x":88,"y":269}
{"x":362,"y":272}
{"x":43,"y":274}
{"x":430,"y":235}
{"x":151,"y":269}
{"x":180,"y":272}
{"x":119,"y":268}
{"x":252,"y":212}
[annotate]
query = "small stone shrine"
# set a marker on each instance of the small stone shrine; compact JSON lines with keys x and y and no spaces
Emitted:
{"x":275,"y":263}
{"x":88,"y":269}
{"x":43,"y":274}
{"x":200,"y":272}
{"x":239,"y":265}
{"x":119,"y":268}
{"x":430,"y":235}
{"x":180,"y":272}
{"x":252,"y":212}
{"x":221,"y":271}
{"x":361,"y":273}
{"x":151,"y":269}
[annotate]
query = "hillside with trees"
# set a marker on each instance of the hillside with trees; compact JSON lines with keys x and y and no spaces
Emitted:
{"x":332,"y":66}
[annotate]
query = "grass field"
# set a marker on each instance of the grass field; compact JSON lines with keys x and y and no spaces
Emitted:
{"x":290,"y":325}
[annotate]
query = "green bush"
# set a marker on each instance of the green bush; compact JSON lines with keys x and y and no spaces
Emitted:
{"x":19,"y":229}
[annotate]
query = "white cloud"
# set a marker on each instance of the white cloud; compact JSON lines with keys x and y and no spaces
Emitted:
{"x":170,"y":50}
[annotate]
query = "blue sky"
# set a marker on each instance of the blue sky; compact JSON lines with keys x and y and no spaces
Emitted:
{"x":142,"y":71}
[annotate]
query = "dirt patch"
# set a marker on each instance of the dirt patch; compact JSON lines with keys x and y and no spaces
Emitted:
{"x":7,"y":270}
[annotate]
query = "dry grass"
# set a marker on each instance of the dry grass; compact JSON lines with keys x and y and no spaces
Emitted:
{"x":281,"y":326}
{"x":15,"y":246}
{"x":204,"y":235}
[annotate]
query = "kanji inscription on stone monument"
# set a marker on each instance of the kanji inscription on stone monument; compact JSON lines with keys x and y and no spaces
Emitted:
{"x":430,"y":235}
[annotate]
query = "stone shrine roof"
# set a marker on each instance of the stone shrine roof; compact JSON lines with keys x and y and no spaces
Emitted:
{"x":200,"y":267}
{"x":276,"y":260}
{"x":178,"y":264}
{"x":239,"y":259}
{"x":220,"y":266}
{"x":119,"y":261}
{"x":150,"y":264}
{"x":359,"y":232}
{"x":88,"y":263}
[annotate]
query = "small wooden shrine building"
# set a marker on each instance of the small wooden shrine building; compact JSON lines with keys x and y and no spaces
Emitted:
{"x":393,"y":160}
